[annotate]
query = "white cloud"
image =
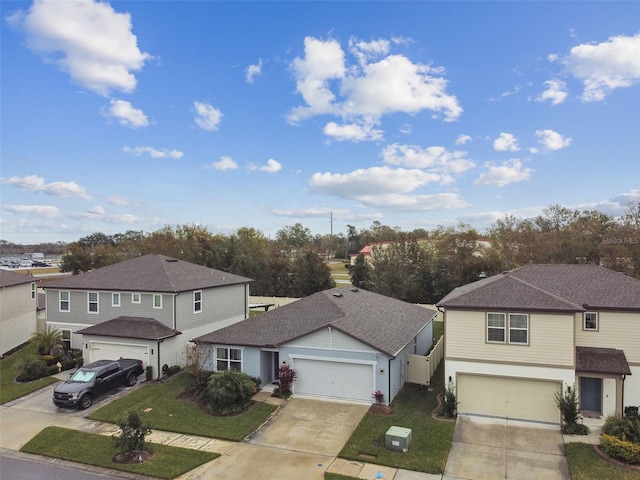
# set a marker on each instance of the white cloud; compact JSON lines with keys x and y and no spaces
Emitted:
{"x":225,"y":163}
{"x":272,"y":166}
{"x":119,"y":201}
{"x":207,"y":116}
{"x":365,"y":91}
{"x":511,"y":171}
{"x":552,"y":140}
{"x":313,"y":212}
{"x":462,"y":139}
{"x":34,"y":183}
{"x":153,"y":153}
{"x":44,"y":211}
{"x":127,"y":115}
{"x":253,"y":71}
{"x":435,"y":158}
{"x":353,"y":132}
{"x":603,"y":67}
{"x":98,"y":213}
{"x":87,"y":39}
{"x":370,"y":182}
{"x":556,"y":92}
{"x":506,"y":142}
{"x":416,"y":203}
{"x":97,"y":210}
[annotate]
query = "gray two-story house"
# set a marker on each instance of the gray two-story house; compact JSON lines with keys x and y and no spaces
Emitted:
{"x":148,"y":308}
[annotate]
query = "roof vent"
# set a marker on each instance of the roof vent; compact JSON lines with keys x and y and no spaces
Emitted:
{"x":337,"y":295}
{"x":172,"y":260}
{"x":354,"y":290}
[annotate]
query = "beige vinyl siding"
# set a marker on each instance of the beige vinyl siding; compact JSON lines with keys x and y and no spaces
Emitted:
{"x":550,"y":339}
{"x":18,"y":316}
{"x":619,"y":330}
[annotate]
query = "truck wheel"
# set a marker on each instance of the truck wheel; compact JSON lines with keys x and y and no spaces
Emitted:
{"x":85,"y":401}
{"x":132,"y":379}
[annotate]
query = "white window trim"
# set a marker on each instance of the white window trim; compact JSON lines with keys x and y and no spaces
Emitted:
{"x":504,"y":328}
{"x":33,"y":291}
{"x":97,"y":302}
{"x":195,"y":302}
{"x":584,"y":322}
{"x":62,"y":330}
{"x":228,"y":359}
{"x":133,"y":298}
{"x":157,"y":295}
{"x":68,"y":300}
{"x":113,"y":297}
{"x":519,"y":329}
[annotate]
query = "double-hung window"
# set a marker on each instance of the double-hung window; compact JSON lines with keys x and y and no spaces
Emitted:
{"x":92,"y":302}
{"x":115,"y":299}
{"x":197,"y":301}
{"x":66,"y":338}
{"x":157,"y":300}
{"x":228,"y":358}
{"x":135,"y":298}
{"x":496,"y":327}
{"x":33,"y":291}
{"x":63,"y":301}
{"x":590,"y":321}
{"x":519,"y":328}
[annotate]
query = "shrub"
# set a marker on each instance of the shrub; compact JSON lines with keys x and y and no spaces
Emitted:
{"x":627,"y":428}
{"x":69,"y":364}
{"x":49,"y":360}
{"x":199,"y":381}
{"x":132,"y":434}
{"x":450,"y":404}
{"x":286,"y":376}
{"x":631,"y":411}
{"x":47,"y":339}
{"x":31,"y":368}
{"x":570,"y":411}
{"x":378,"y":396}
{"x":229,"y":391}
{"x":173,"y":369}
{"x":148,"y":373}
{"x":622,"y":450}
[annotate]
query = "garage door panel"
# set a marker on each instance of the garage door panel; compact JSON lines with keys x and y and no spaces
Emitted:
{"x":114,"y":351}
{"x":340,"y":380}
{"x":508,"y":397}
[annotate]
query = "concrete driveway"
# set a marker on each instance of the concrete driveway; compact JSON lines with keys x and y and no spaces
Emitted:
{"x":300,"y":441}
{"x":492,"y":449}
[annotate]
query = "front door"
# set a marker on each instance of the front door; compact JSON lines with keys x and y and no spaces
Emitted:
{"x":591,"y":394}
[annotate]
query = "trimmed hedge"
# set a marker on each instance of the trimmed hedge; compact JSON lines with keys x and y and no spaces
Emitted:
{"x":622,"y":450}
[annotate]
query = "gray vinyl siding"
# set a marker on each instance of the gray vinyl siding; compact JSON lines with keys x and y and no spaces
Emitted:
{"x":78,"y":313}
{"x":218,"y":305}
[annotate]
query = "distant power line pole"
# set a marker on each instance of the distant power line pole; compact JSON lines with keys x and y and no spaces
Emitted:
{"x":331,"y":219}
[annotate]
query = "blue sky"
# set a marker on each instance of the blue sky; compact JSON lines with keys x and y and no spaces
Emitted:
{"x":134,"y":115}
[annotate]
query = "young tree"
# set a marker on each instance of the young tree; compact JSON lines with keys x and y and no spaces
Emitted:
{"x":360,"y":272}
{"x":131,"y":441}
{"x":310,"y":274}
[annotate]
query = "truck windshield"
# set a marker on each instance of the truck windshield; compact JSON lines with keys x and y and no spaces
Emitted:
{"x":83,"y":376}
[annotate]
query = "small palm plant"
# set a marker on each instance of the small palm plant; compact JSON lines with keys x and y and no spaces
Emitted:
{"x":46,"y":339}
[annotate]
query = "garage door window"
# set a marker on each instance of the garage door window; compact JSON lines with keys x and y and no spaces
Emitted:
{"x":496,"y":327}
{"x":519,"y":328}
{"x":228,"y":358}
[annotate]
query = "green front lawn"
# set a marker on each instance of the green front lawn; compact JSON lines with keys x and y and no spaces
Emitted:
{"x":98,"y":450}
{"x":586,"y":464}
{"x":160,"y":408}
{"x":9,"y":389}
{"x":431,"y":439}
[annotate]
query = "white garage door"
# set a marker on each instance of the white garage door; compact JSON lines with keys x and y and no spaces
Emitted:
{"x":339,"y":380}
{"x":515,"y":398}
{"x":114,"y":351}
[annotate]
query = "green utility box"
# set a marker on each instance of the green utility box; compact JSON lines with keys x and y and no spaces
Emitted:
{"x":398,"y":439}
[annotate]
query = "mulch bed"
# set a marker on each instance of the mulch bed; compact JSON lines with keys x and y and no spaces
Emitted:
{"x":379,"y":409}
{"x":613,"y":460}
{"x":137,"y":456}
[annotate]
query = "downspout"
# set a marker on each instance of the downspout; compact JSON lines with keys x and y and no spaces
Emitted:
{"x":389,"y":382}
{"x":623,"y":379}
{"x":159,"y":370}
{"x":175,"y":297}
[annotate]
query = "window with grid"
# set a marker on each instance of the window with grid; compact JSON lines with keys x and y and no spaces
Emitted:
{"x":591,"y":321}
{"x":63,"y":301}
{"x":157,"y":301}
{"x":519,"y":328}
{"x":228,"y":358}
{"x":115,"y":299}
{"x":92,"y":299}
{"x":496,"y":327}
{"x":33,"y":291}
{"x":197,"y":301}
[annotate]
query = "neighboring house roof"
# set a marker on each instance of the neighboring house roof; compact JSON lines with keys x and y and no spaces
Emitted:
{"x":601,"y":360}
{"x":131,"y":327}
{"x":9,"y":279}
{"x":555,"y":287}
{"x":384,"y":323}
{"x":150,"y":273}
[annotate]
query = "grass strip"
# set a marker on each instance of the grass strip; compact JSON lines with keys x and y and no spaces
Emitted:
{"x":98,"y":450}
{"x":586,"y":464}
{"x":9,"y":388}
{"x":159,"y":407}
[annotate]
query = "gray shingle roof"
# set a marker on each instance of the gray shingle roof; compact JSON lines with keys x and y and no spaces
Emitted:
{"x":383,"y":323}
{"x":549,"y":287}
{"x":9,"y":279}
{"x":601,"y":360}
{"x":150,"y":273}
{"x":131,"y":327}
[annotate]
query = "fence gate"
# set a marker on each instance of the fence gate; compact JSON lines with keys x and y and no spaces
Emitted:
{"x":420,"y":368}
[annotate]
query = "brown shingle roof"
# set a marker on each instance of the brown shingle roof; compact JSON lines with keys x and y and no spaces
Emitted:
{"x":131,"y":327}
{"x":601,"y":360}
{"x":549,"y":287}
{"x":9,"y":279}
{"x":383,"y":323}
{"x":150,"y":273}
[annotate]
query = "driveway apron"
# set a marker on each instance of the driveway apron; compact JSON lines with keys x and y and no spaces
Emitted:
{"x":498,"y":449}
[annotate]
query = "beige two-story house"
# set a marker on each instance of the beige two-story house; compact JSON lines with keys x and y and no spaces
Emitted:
{"x":514,"y":340}
{"x":148,"y":308}
{"x":18,"y":303}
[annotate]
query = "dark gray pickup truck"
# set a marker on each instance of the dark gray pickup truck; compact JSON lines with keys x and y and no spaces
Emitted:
{"x":96,"y":379}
